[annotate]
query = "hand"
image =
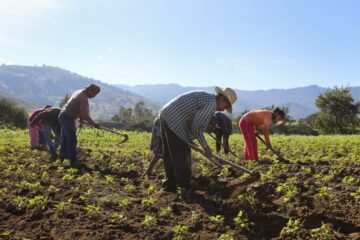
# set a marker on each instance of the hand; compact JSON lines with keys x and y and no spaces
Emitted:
{"x":207,"y":152}
{"x":96,"y":125}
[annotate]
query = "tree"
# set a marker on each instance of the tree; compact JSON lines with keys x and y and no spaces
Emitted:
{"x":64,"y":101}
{"x":124,"y":116}
{"x":338,"y":111}
{"x":12,"y":115}
{"x":139,"y":118}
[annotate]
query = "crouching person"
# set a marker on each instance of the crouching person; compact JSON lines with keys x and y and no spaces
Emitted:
{"x":223,"y":131}
{"x":156,"y":146}
{"x":50,"y":120}
{"x":76,"y":107}
{"x":182,"y":120}
{"x":37,"y":140}
{"x":251,"y":122}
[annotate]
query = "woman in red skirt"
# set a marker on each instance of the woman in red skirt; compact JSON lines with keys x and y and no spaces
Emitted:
{"x":249,"y":125}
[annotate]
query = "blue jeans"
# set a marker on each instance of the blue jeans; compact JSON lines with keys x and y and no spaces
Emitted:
{"x":42,"y":140}
{"x":48,"y":139}
{"x":68,"y":133}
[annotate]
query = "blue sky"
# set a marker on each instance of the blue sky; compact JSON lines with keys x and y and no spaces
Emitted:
{"x":245,"y":44}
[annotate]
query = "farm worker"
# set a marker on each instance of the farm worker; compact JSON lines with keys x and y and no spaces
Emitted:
{"x":76,"y":107}
{"x":50,"y":120}
{"x":36,"y":131}
{"x":183,"y":119}
{"x":156,"y":141}
{"x":155,"y":146}
{"x":249,"y":125}
{"x":223,"y":131}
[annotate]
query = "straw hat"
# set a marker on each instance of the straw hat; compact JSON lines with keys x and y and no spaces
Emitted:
{"x":229,"y":94}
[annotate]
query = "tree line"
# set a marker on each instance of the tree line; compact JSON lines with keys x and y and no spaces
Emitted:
{"x":338,"y":114}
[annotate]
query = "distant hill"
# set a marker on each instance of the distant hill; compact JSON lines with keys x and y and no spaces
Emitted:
{"x":48,"y":85}
{"x":301,"y":101}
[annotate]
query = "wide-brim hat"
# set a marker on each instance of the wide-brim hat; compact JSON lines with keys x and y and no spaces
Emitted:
{"x":229,"y":94}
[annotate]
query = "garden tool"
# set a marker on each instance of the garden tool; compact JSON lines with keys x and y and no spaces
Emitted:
{"x":220,"y":162}
{"x":223,"y":144}
{"x":279,"y":156}
{"x":126,"y":137}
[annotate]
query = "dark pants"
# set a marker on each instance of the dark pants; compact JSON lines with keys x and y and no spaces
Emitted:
{"x":68,"y":133}
{"x":177,"y":159}
{"x":221,"y":136}
{"x":49,"y":141}
{"x":42,"y":140}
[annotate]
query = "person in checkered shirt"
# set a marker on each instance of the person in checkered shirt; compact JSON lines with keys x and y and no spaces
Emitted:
{"x":184,"y":119}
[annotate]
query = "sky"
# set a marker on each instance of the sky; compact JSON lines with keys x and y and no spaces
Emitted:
{"x":244,"y":44}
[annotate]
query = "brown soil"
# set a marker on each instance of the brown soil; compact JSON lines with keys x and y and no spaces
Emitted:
{"x":267,"y":211}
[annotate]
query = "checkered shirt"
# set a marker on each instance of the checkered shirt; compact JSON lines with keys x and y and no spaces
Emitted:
{"x":189,"y":114}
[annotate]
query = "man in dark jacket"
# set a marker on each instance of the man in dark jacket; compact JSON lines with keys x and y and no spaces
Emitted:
{"x":184,"y":119}
{"x":223,"y":130}
{"x":50,"y":119}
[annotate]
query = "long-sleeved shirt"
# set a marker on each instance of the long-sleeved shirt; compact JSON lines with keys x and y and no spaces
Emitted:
{"x":189,"y":114}
{"x":78,"y":105}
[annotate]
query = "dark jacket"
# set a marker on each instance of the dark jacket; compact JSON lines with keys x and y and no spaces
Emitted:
{"x":223,"y":123}
{"x":48,"y":117}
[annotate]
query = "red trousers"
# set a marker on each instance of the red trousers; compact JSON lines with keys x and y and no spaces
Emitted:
{"x":250,"y":148}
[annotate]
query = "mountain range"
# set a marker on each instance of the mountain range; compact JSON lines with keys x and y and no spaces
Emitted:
{"x":301,"y":100}
{"x":34,"y":86}
{"x":37,"y":86}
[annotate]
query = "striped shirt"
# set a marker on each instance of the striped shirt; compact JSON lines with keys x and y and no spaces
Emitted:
{"x":189,"y":114}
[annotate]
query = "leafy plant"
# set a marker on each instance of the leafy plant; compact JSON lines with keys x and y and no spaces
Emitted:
{"x":241,"y":221}
{"x":149,"y":220}
{"x":218,"y":219}
{"x":165,"y":212}
{"x":180,"y":231}
{"x":323,"y":192}
{"x":93,"y":210}
{"x":195,"y":217}
{"x":124,"y":202}
{"x":356,"y":195}
{"x":292,"y":228}
{"x":225,"y":172}
{"x":247,"y":199}
{"x":118,"y":218}
{"x":148,"y":202}
{"x":322,"y":233}
{"x":38,"y":202}
{"x":63,"y":206}
{"x":21,"y":202}
{"x":129,"y":187}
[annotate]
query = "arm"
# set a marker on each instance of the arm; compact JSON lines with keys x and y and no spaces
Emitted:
{"x":85,"y":115}
{"x":267,"y":133}
{"x":200,"y":122}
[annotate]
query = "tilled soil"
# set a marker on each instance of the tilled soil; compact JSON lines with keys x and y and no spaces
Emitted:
{"x":313,"y":193}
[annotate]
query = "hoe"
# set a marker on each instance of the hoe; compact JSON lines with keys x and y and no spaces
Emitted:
{"x":126,"y":137}
{"x":280,"y":157}
{"x":220,"y":162}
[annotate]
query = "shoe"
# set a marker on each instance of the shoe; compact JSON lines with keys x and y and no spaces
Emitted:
{"x":75,"y":164}
{"x":53,"y":157}
{"x":169,"y":188}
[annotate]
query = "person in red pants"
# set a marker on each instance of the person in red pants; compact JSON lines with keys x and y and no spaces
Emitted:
{"x":249,"y":125}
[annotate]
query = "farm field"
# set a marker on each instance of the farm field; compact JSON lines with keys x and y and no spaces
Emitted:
{"x":316,"y":196}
